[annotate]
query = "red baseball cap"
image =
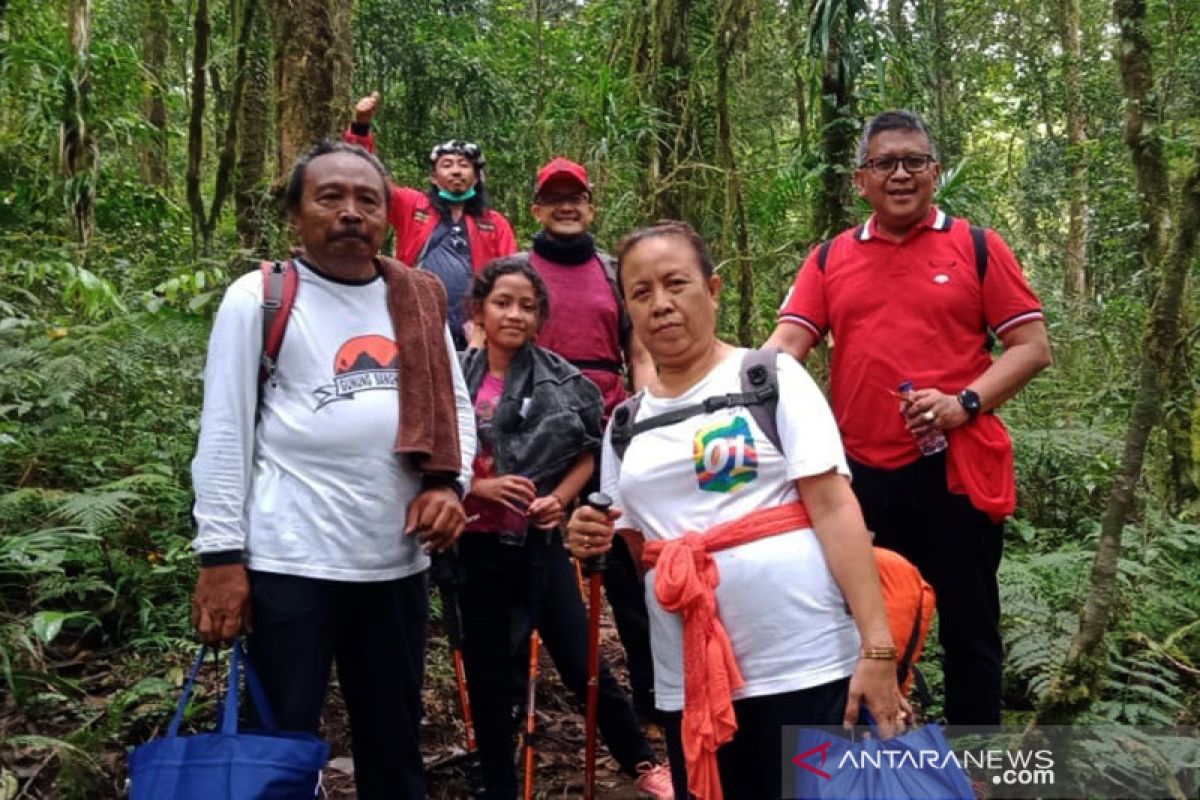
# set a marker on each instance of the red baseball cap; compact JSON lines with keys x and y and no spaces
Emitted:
{"x":562,"y":168}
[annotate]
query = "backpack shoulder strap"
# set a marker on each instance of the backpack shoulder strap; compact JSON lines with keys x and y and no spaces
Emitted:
{"x":624,"y":324}
{"x":760,"y":394}
{"x":979,"y":242}
{"x":979,"y":245}
{"x":823,"y":254}
{"x":280,"y":283}
{"x":760,"y":379}
{"x":622,"y":423}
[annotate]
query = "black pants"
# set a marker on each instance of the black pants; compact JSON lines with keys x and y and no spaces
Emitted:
{"x":376,"y":633}
{"x":627,"y":597}
{"x":752,"y":763}
{"x":537,"y":581}
{"x":957,"y":548}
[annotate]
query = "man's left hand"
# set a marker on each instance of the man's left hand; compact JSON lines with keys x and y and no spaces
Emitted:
{"x":436,"y":518}
{"x":929,"y":409}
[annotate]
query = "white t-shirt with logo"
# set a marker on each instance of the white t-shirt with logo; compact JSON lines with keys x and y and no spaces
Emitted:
{"x":785,"y":615}
{"x":314,"y":489}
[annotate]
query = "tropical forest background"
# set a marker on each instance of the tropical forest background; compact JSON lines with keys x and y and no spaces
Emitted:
{"x":142,"y":144}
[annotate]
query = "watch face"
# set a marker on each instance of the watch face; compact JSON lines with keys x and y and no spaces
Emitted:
{"x":970,"y":401}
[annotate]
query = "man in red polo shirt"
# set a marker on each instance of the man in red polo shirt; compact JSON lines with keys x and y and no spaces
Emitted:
{"x":904,"y":298}
{"x":448,"y":229}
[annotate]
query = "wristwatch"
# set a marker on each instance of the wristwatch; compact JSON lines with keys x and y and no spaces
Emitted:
{"x":970,"y":401}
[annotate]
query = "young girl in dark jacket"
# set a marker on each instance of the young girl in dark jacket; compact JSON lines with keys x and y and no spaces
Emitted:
{"x":539,"y":425}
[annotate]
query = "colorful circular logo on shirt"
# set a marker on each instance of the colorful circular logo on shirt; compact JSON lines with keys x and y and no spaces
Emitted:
{"x":725,"y":456}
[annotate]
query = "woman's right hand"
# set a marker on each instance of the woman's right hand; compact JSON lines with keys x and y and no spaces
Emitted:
{"x":590,"y":532}
{"x":511,"y":491}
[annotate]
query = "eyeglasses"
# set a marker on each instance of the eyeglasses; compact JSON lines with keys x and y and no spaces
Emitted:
{"x":886,"y":165}
{"x":563,"y":199}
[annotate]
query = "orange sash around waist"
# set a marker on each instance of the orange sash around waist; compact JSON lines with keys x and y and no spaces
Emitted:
{"x":685,"y":583}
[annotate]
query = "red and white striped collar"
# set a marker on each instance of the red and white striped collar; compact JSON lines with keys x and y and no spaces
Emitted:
{"x":937,"y":219}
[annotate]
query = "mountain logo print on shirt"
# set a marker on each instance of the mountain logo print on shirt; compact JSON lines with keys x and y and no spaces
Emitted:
{"x":361,"y":364}
{"x":725,"y":456}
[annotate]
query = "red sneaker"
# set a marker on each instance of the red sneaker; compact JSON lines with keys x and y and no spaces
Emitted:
{"x":654,"y":780}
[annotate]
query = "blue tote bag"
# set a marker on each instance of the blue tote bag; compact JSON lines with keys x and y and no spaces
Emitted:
{"x":918,"y":765}
{"x":228,"y":764}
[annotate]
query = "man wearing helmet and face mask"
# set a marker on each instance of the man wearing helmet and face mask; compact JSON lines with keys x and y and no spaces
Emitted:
{"x":448,"y":230}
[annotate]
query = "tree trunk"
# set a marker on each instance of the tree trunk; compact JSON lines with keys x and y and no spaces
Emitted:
{"x":77,"y":146}
{"x":1075,"y":270}
{"x":731,"y":41}
{"x":798,"y":35}
{"x":313,"y":60}
{"x":225,"y":163}
{"x":667,"y":74}
{"x":941,"y":64}
{"x":201,"y":32}
{"x":1141,"y":127}
{"x":895,"y":11}
{"x":155,"y":36}
{"x":539,"y":66}
{"x":1182,"y":487}
{"x":253,"y":129}
{"x":839,"y":127}
{"x":1079,"y":681}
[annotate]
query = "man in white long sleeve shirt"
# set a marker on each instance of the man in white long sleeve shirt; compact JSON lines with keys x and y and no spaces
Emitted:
{"x":309,"y":523}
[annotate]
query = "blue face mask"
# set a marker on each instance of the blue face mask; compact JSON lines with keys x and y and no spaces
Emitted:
{"x":461,"y":197}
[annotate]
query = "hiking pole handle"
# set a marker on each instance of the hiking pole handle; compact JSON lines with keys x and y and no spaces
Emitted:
{"x":602,"y":503}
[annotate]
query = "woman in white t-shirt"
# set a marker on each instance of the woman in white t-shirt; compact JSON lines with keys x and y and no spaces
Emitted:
{"x":778,"y":534}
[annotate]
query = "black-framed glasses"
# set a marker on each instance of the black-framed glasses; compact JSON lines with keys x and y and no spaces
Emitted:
{"x":914,"y":164}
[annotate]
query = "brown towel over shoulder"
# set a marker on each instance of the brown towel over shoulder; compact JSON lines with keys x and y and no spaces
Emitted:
{"x":428,"y":417}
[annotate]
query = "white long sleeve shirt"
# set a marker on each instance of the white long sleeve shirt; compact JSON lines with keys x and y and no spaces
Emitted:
{"x":314,"y":489}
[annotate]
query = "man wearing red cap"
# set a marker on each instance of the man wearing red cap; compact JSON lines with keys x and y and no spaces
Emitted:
{"x":588,"y":326}
{"x":449,"y":229}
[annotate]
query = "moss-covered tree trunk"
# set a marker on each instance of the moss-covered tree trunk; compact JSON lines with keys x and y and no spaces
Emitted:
{"x":839,"y":128}
{"x":156,"y":34}
{"x":1081,"y":677}
{"x":1075,"y":261}
{"x":313,"y":61}
{"x":664,"y":71}
{"x":731,"y":41}
{"x":253,"y":132}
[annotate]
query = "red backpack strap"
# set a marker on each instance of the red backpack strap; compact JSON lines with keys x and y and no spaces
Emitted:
{"x":280,"y":282}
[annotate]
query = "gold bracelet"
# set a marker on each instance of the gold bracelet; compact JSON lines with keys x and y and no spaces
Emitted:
{"x":880,"y":653}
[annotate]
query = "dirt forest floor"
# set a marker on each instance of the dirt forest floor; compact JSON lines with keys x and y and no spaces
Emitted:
{"x":72,"y":743}
{"x":560,"y":725}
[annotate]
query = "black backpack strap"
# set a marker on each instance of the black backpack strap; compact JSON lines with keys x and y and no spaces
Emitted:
{"x":823,"y":254}
{"x":622,"y":424}
{"x":979,"y":242}
{"x":760,"y":378}
{"x":924,"y":696}
{"x":760,"y":395}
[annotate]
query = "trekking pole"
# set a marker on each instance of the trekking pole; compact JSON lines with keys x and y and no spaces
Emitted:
{"x":594,"y":569}
{"x":531,"y":714}
{"x":446,"y":577}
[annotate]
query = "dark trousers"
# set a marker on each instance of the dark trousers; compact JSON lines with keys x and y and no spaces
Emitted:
{"x":535,"y":581}
{"x":376,"y":633}
{"x":627,"y":598}
{"x":957,"y":548}
{"x":752,"y":763}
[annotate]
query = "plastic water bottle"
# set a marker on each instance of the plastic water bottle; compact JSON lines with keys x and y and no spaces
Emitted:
{"x":931,"y":442}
